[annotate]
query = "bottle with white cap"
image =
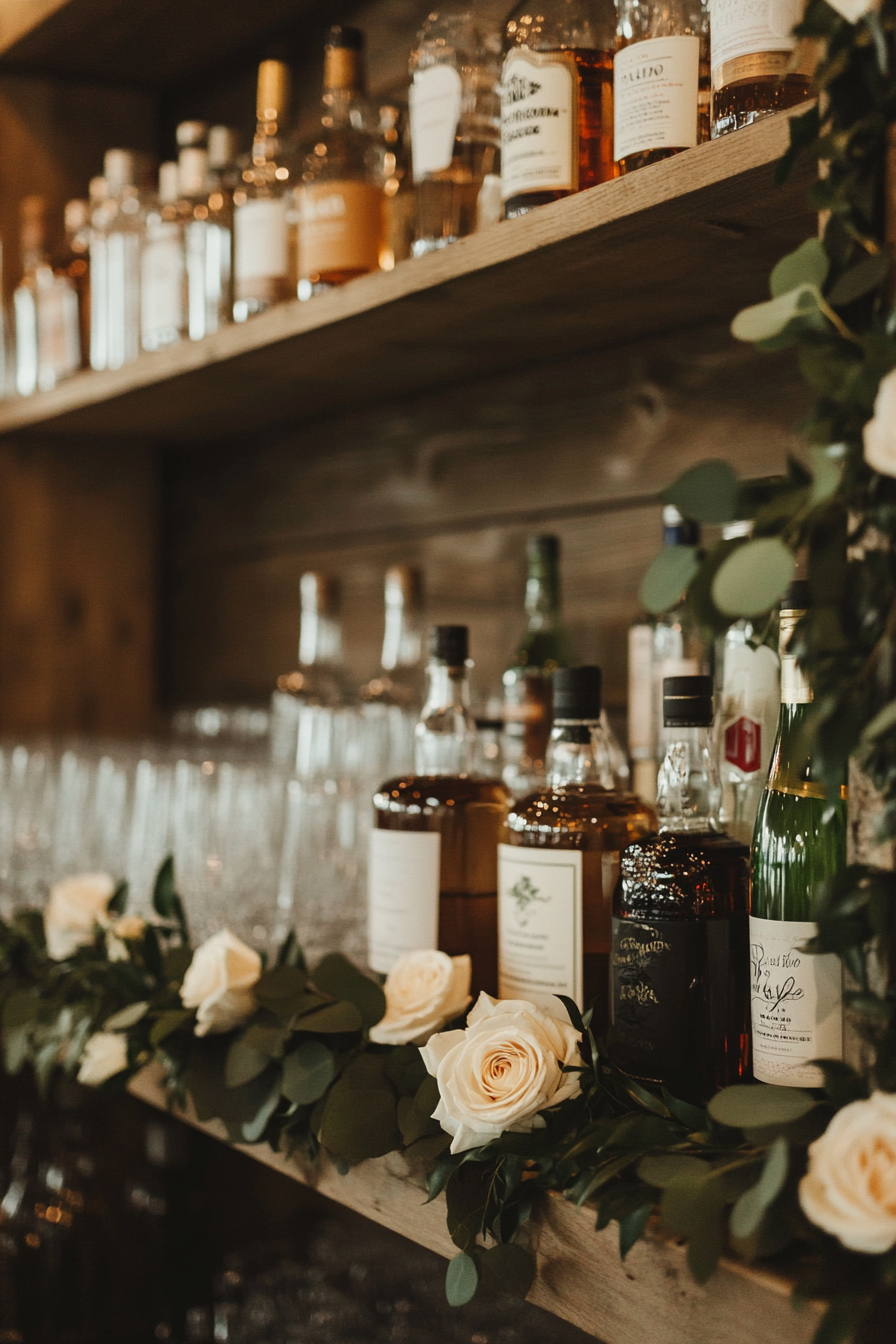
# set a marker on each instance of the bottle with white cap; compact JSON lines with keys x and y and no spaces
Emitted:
{"x":123,"y":228}
{"x":163,"y":267}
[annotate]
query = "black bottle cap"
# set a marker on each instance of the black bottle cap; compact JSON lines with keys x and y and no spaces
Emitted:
{"x":450,"y":644}
{"x":577,"y":693}
{"x":687,"y":702}
{"x":338,"y":36}
{"x":797,"y":597}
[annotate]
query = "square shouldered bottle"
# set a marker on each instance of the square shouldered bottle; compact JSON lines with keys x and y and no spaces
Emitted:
{"x":556,"y":101}
{"x":434,"y":845}
{"x":559,"y":862}
{"x":758,"y":66}
{"x":660,"y":80}
{"x":679,"y":973}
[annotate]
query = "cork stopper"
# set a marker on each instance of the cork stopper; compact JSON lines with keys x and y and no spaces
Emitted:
{"x":273,"y":90}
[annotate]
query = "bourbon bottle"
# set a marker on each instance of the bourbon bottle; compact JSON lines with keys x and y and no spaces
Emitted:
{"x":758,"y":66}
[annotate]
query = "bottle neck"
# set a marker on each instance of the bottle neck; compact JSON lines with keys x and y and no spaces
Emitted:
{"x":578,"y":753}
{"x":795,"y":688}
{"x":445,"y":732}
{"x":403,"y":638}
{"x":688,"y":793}
{"x":543,"y":598}
{"x":320,"y":639}
{"x":266,"y":144}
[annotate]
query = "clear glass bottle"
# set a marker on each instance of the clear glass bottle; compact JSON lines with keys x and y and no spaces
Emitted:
{"x":754,"y":70}
{"x":557,"y":85}
{"x":75,"y":266}
{"x":193,"y":216}
{"x":342,"y":221}
{"x":223,"y":179}
{"x":680,"y":984}
{"x":123,"y":216}
{"x":679,"y":648}
{"x":100,"y":218}
{"x":434,"y":848}
{"x":320,"y":676}
{"x":163,"y":270}
{"x":260,"y":226}
{"x":660,"y":80}
{"x":799,"y":843}
{"x":641,"y":717}
{"x":455,"y":115}
{"x":545,"y":646}
{"x":32,"y":239}
{"x":7,"y":352}
{"x":558,"y":866}
{"x":400,"y":679}
{"x":396,"y":183}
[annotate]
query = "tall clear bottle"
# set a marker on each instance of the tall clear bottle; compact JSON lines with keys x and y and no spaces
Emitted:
{"x":100,"y":219}
{"x":556,"y":101}
{"x":123,"y":233}
{"x":320,"y":677}
{"x":223,"y":179}
{"x":560,"y":861}
{"x":433,"y":875}
{"x":260,"y":223}
{"x":680,"y":985}
{"x":660,"y":80}
{"x":163,"y":270}
{"x":679,"y":648}
{"x":455,"y":114}
{"x":32,"y":239}
{"x":799,"y":843}
{"x":756,"y":67}
{"x":74,"y":265}
{"x":342,"y":221}
{"x":400,"y":680}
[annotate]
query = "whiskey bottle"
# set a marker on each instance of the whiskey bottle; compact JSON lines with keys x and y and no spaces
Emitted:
{"x":559,"y":864}
{"x":660,"y":80}
{"x":680,"y":988}
{"x":556,"y":102}
{"x":400,"y":678}
{"x":122,"y":223}
{"x":545,"y":646}
{"x":455,"y":126}
{"x":163,"y":275}
{"x":755,"y":71}
{"x":319,"y":678}
{"x":260,"y":225}
{"x":342,"y":217}
{"x":799,"y":843}
{"x":434,"y":848}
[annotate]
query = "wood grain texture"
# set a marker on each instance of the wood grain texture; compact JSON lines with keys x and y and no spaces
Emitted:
{"x":613,"y":265}
{"x":649,"y":1296}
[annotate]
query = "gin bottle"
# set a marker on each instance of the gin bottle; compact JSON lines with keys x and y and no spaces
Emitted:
{"x":680,"y":988}
{"x":260,"y":224}
{"x":122,"y":225}
{"x":223,"y":178}
{"x":163,"y":275}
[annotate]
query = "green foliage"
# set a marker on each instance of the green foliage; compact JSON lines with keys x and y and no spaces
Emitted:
{"x":707,"y":493}
{"x":669,"y":575}
{"x":461,"y":1280}
{"x":753,"y":577}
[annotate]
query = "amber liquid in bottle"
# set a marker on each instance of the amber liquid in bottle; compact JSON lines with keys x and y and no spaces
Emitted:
{"x":745,"y":100}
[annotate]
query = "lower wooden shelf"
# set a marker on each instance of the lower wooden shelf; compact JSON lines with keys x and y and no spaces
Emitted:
{"x":648,"y":1297}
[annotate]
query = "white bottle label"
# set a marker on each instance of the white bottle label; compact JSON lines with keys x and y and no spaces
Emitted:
{"x":260,"y":231}
{"x":435,"y":99}
{"x":797,"y":1003}
{"x":655,"y":90}
{"x":162,"y":282}
{"x":751,"y":694}
{"x":640,"y":692}
{"x":539,"y":924}
{"x":749,"y":27}
{"x":403,"y":901}
{"x":539,"y":135}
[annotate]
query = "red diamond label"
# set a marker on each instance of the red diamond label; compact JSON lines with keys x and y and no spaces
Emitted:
{"x":743,"y":745}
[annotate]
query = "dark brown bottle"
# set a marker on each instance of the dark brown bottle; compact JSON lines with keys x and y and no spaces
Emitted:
{"x":434,"y":847}
{"x":680,"y":991}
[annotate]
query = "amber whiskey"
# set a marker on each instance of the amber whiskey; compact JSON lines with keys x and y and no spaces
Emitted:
{"x":434,"y":846}
{"x":758,"y":67}
{"x":560,"y":862}
{"x":680,"y":987}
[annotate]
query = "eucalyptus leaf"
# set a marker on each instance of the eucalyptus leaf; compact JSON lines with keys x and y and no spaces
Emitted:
{"x":809,"y":264}
{"x":308,"y":1072}
{"x":20,"y":1009}
{"x":860,"y":279}
{"x":752,"y":1204}
{"x":707,"y":493}
{"x":668,"y":577}
{"x":243,"y":1064}
{"x":167,"y":1023}
{"x":126,"y":1017}
{"x":507,"y":1268}
{"x":336,"y":975}
{"x":661,"y":1169}
{"x":631,"y":1228}
{"x":164,"y":893}
{"x":753,"y":577}
{"x":266,"y":1037}
{"x":826,"y":475}
{"x":254,"y":1128}
{"x":883,"y":721}
{"x":334,"y":1017}
{"x":358,"y":1123}
{"x":118,"y":901}
{"x":461,"y":1280}
{"x":758,"y":1104}
{"x":282,"y":982}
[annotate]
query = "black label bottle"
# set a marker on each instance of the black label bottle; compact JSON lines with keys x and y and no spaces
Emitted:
{"x":799,"y":842}
{"x":680,"y":988}
{"x":434,"y":846}
{"x":558,"y":866}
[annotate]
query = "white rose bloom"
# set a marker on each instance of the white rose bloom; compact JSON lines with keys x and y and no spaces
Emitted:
{"x":880,"y":431}
{"x":75,"y":907}
{"x":850,"y":1187}
{"x":105,"y":1054}
{"x":219,"y":983}
{"x":424,"y":990}
{"x":499,"y":1073}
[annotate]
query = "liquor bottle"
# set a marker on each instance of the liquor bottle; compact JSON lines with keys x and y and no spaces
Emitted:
{"x":754,"y":72}
{"x":556,"y":102}
{"x":260,"y":226}
{"x":641,"y":718}
{"x":680,"y":985}
{"x":123,"y":229}
{"x":7,"y":354}
{"x":48,"y":346}
{"x":559,"y":864}
{"x":545,"y":645}
{"x":455,"y":114}
{"x":400,"y":678}
{"x":660,"y":80}
{"x":320,"y":677}
{"x":748,"y":672}
{"x":799,"y":842}
{"x":223,"y":178}
{"x":679,"y":648}
{"x":342,"y":215}
{"x":100,"y":216}
{"x":163,"y":275}
{"x":434,"y":848}
{"x":32,"y":238}
{"x":192,"y":211}
{"x":394,"y":178}
{"x":75,"y":265}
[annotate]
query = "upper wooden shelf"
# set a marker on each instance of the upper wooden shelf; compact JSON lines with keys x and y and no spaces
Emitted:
{"x":681,"y":243}
{"x":649,"y":1296}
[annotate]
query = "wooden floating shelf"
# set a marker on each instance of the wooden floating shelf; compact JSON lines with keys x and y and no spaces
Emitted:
{"x":649,"y":1296}
{"x":679,"y":244}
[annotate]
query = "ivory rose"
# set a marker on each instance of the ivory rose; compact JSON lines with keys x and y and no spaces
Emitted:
{"x":850,"y":1187}
{"x":219,"y":982}
{"x":880,"y":432}
{"x":424,"y":990}
{"x":501,"y":1071}
{"x":105,"y":1054}
{"x":75,"y":907}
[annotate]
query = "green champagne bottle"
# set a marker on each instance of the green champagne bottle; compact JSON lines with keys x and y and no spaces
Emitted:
{"x":799,"y":842}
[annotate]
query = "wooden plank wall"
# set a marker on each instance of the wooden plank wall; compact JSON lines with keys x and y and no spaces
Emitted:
{"x":454,"y":481}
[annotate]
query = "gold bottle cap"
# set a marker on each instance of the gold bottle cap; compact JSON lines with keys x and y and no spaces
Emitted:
{"x":273,"y":90}
{"x":344,"y":59}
